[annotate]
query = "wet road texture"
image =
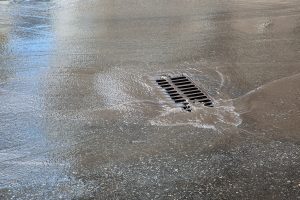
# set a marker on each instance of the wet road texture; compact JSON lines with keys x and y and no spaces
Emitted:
{"x":81,"y":116}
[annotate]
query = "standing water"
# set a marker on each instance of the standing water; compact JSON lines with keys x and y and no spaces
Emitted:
{"x":81,"y":116}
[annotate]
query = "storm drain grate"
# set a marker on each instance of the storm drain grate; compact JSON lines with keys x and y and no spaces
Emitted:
{"x":183,"y":91}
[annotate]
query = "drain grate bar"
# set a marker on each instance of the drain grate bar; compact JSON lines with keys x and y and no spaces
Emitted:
{"x":189,"y":89}
{"x":180,"y":101}
{"x":182,"y":90}
{"x":180,"y":80}
{"x":177,"y":78}
{"x":186,"y":86}
{"x":172,"y":92}
{"x":183,"y":83}
{"x":202,"y":97}
{"x":192,"y":92}
{"x":194,"y":95}
{"x":169,"y":88}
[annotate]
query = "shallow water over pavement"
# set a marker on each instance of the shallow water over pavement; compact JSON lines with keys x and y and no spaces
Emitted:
{"x":81,"y":116}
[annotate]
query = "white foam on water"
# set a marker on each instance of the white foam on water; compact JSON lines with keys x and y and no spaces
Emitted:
{"x":194,"y":124}
{"x":201,"y":117}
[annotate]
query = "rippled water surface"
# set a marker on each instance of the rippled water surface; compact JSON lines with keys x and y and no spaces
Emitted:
{"x":81,"y":116}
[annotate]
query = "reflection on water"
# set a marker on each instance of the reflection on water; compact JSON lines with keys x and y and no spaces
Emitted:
{"x":26,"y":49}
{"x":4,"y":29}
{"x":80,"y":115}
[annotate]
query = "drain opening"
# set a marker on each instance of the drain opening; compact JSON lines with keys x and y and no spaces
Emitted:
{"x":182,"y":90}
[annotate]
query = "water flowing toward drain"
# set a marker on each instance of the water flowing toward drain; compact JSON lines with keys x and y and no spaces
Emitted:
{"x":183,"y":91}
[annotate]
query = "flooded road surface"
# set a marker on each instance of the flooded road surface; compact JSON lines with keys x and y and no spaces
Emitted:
{"x":81,"y":116}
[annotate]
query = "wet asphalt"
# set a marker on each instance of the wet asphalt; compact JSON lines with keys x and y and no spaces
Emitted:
{"x":81,"y":116}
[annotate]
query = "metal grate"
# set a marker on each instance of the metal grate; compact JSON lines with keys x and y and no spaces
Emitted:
{"x":183,"y":91}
